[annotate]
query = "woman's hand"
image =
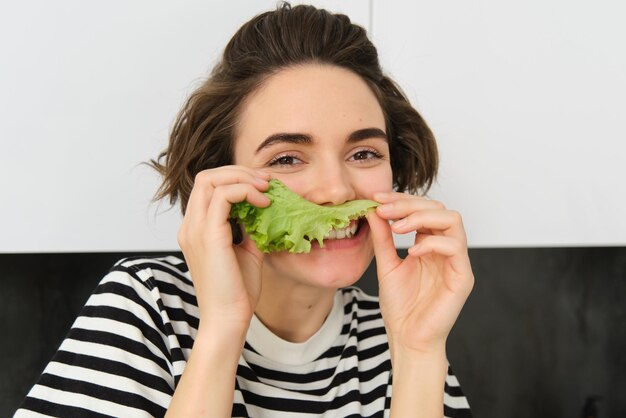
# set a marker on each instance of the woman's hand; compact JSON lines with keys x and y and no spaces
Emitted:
{"x":227,"y":281}
{"x":226,"y":277}
{"x":422,"y":295}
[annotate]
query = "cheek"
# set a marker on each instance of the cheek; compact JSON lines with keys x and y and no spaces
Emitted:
{"x":298,"y":183}
{"x":365,"y":182}
{"x":379,"y":181}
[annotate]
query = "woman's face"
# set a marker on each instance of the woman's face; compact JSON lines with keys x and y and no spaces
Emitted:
{"x":320,"y":130}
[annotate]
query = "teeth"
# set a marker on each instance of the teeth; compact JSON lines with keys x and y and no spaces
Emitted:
{"x":347,"y":232}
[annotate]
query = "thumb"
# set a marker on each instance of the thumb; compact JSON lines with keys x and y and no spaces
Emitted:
{"x":384,"y":249}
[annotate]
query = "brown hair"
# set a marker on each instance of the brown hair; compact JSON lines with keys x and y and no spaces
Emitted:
{"x":203,"y":133}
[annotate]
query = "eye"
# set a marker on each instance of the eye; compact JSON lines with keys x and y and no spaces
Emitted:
{"x":284,"y":160}
{"x":366,"y":155}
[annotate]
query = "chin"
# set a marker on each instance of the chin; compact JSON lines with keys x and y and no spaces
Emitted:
{"x":339,"y":263}
{"x":341,"y":274}
{"x":321,"y":271}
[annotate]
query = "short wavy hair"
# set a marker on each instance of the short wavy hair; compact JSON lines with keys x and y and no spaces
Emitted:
{"x":202,"y":136}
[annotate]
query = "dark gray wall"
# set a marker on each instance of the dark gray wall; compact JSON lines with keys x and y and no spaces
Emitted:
{"x":543,"y":330}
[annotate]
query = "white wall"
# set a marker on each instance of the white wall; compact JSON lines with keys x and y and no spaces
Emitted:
{"x":526,"y":100}
{"x":88,"y":90}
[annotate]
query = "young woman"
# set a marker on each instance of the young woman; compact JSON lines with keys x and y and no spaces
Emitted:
{"x":298,"y":96}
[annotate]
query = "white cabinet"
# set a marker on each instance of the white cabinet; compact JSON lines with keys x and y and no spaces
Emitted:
{"x":88,"y":91}
{"x":527,"y":101}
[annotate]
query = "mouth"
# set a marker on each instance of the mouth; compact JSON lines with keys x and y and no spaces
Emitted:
{"x":350,"y":237}
{"x":345,"y":233}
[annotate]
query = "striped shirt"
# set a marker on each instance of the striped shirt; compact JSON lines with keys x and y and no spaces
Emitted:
{"x":128,"y":348}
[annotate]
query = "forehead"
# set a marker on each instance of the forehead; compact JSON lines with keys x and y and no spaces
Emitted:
{"x":319,"y":100}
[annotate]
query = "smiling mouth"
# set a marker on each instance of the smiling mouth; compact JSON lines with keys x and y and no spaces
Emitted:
{"x":345,"y":233}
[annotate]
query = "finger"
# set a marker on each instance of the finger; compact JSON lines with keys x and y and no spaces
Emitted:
{"x":206,"y":181}
{"x":400,"y":207}
{"x":385,"y":252}
{"x":448,"y":222}
{"x":223,"y":198}
{"x":453,"y":249}
{"x":389,"y":197}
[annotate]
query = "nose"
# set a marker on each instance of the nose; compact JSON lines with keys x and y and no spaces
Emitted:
{"x":331,"y":185}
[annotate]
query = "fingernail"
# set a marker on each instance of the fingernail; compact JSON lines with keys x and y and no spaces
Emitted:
{"x":386,"y":208}
{"x":380,"y":195}
{"x":260,"y":181}
{"x":399,"y":224}
{"x":415,"y":249}
{"x":262,"y":174}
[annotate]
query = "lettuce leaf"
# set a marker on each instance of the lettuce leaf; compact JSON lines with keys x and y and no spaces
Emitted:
{"x":291,"y":223}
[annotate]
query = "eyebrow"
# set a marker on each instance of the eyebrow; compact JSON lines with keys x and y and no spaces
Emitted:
{"x":298,"y":138}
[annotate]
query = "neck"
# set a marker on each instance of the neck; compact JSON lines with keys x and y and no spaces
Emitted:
{"x":293,"y":311}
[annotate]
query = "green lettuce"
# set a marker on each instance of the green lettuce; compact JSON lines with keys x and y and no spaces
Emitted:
{"x":291,"y":223}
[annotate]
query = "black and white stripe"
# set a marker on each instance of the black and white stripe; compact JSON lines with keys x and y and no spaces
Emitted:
{"x":128,"y":348}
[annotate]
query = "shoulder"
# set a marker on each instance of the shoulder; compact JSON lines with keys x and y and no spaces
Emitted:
{"x":455,"y":402}
{"x":163,"y":282}
{"x":363,"y":312}
{"x":152,"y":272}
{"x":356,"y":299}
{"x":365,"y":316}
{"x":147,"y":268}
